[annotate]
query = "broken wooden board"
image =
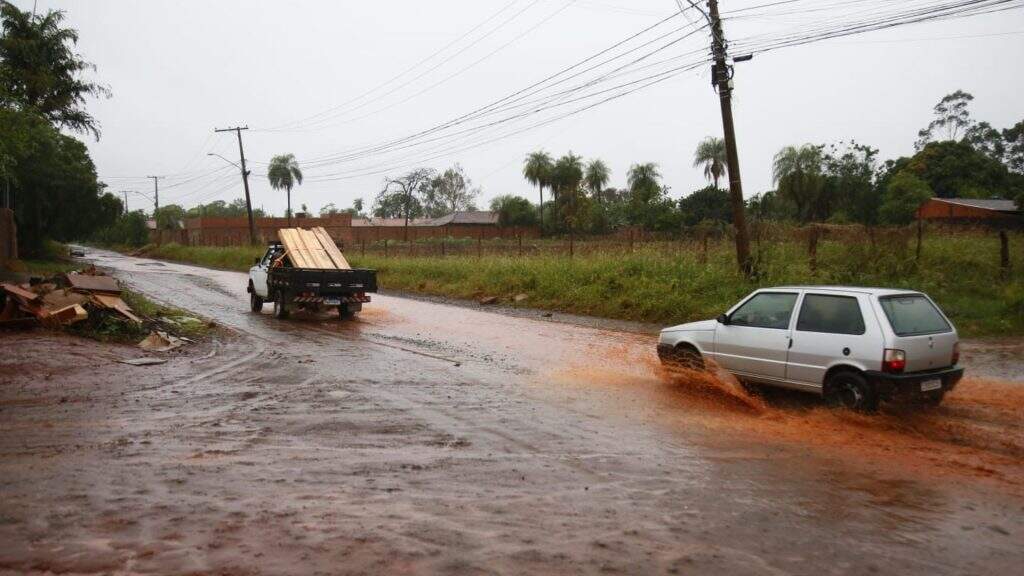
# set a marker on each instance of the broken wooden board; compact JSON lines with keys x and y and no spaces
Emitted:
{"x":115,"y":303}
{"x":88,"y":283}
{"x":23,"y":294}
{"x":67,"y":315}
{"x":331,"y":248}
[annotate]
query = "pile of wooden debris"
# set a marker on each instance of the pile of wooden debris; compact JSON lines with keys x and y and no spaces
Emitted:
{"x":63,"y":300}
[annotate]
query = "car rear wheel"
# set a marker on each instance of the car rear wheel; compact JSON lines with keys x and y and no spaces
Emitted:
{"x":280,"y":306}
{"x":851,"y":391}
{"x":255,"y":302}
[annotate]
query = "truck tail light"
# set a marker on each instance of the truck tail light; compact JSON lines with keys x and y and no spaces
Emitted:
{"x":956,"y":354}
{"x":894,"y":361}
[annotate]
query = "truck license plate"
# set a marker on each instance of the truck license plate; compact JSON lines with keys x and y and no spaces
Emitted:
{"x":331,"y":301}
{"x":929,"y":385}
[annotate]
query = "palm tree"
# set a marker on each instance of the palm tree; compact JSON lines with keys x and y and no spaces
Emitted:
{"x":537,"y":171}
{"x":797,"y":173}
{"x":284,"y":173}
{"x":644,"y":181}
{"x":710,"y":154}
{"x":596,"y":178}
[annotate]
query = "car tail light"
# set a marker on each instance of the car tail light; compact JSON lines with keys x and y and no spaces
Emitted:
{"x":956,"y":354}
{"x":894,"y":361}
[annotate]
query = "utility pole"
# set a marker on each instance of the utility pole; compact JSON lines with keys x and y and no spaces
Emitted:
{"x":245,"y":179}
{"x":156,"y":193}
{"x":125,"y":192}
{"x":722,"y":79}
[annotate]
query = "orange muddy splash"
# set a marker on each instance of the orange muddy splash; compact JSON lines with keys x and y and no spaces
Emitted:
{"x":977,"y":433}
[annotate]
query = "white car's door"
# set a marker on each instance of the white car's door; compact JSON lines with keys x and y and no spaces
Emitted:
{"x":755,"y":341}
{"x":258,"y":273}
{"x":831,"y":327}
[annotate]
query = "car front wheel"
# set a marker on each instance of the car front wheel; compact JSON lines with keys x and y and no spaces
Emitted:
{"x":255,"y":302}
{"x":851,"y":391}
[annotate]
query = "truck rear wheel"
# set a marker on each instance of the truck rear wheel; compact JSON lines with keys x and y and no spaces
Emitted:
{"x":852,"y":391}
{"x":345,"y":313}
{"x":280,"y":306}
{"x":255,"y":302}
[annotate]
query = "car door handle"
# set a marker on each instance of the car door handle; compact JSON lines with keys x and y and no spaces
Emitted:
{"x":790,"y":343}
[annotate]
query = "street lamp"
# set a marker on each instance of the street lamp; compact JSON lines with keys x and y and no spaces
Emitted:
{"x":224,"y":159}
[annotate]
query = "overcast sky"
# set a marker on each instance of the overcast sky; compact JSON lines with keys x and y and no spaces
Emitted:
{"x":178,"y":69}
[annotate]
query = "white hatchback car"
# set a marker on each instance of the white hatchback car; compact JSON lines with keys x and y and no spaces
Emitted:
{"x":854,"y":346}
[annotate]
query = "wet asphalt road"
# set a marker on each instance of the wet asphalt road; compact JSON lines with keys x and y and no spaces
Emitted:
{"x":427,"y":438}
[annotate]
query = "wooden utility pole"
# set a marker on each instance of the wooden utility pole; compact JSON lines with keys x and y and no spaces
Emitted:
{"x":722,"y":79}
{"x":245,"y":179}
{"x":156,"y":194}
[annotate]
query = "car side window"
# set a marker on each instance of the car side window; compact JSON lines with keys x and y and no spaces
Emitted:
{"x":267,"y":257}
{"x":766,"y":310}
{"x":830,"y":314}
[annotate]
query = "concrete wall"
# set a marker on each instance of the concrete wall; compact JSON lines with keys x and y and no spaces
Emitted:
{"x":8,"y":237}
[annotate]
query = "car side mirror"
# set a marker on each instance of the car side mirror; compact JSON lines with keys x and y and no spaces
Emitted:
{"x":257,"y":261}
{"x":723,"y":319}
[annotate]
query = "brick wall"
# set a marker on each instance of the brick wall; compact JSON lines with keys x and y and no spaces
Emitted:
{"x":936,"y":210}
{"x":8,"y":237}
{"x":484,"y":232}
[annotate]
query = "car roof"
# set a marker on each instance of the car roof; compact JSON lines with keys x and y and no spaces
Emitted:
{"x":877,"y":292}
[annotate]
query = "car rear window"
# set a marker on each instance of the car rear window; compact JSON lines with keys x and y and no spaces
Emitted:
{"x":830,"y":315}
{"x":913,"y":314}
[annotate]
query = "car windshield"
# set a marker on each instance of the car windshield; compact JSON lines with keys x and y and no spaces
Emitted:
{"x":913,"y":314}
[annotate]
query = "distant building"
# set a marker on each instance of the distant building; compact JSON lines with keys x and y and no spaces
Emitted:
{"x":968,"y":209}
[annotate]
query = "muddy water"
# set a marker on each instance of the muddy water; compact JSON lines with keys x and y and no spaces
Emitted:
{"x":431,"y":438}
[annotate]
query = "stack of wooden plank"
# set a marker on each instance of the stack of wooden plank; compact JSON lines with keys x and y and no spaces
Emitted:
{"x":313,"y":248}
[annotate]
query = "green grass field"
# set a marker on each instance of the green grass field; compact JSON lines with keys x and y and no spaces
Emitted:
{"x":666,"y":286}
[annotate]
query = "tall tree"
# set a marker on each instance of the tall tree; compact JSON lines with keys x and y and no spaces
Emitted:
{"x":903,"y":196}
{"x":710,"y":155}
{"x":952,"y":118}
{"x":1013,"y":139}
{"x":449,"y":192}
{"x":566,"y":187}
{"x":514,"y":211}
{"x":537,"y":171}
{"x":402,"y":196}
{"x":40,"y":71}
{"x":796,"y":170}
{"x":284,"y":172}
{"x":596,"y":177}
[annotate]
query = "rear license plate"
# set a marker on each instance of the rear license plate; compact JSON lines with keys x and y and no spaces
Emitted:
{"x":331,"y":301}
{"x":929,"y":385}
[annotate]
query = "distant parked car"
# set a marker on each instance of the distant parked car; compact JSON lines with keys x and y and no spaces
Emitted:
{"x":76,"y":251}
{"x":854,"y":346}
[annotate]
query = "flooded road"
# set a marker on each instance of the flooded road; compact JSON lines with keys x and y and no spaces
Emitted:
{"x":428,"y":438}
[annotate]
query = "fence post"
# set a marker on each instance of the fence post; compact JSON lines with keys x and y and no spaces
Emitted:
{"x":442,"y":247}
{"x":362,"y":249}
{"x":631,"y":240}
{"x":1004,"y":253}
{"x":920,"y":233}
{"x":478,"y":245}
{"x":519,"y":239}
{"x":385,"y":247}
{"x":704,"y":248}
{"x":812,"y":249}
